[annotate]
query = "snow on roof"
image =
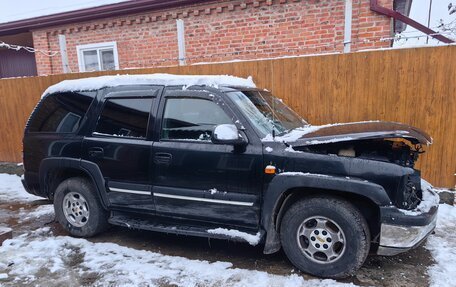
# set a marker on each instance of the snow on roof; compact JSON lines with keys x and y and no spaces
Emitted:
{"x":95,"y":83}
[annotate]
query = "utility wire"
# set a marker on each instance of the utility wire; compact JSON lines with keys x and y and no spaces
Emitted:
{"x":329,"y":47}
{"x":28,"y":49}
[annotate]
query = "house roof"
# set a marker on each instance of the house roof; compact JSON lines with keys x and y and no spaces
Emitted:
{"x":111,"y":10}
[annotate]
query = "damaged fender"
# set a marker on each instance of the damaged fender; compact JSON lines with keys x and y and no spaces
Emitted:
{"x":276,"y":193}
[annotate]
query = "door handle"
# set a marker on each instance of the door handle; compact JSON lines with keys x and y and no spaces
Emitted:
{"x":163,"y":158}
{"x":96,"y":152}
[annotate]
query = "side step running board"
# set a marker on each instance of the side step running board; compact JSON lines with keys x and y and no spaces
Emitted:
{"x":200,"y":231}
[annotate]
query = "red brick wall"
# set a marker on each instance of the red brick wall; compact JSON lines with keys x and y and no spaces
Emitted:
{"x":220,"y":31}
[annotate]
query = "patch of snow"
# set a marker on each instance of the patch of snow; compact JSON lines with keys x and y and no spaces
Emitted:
{"x":334,"y":140}
{"x":250,"y":238}
{"x":95,"y":83}
{"x":3,"y":275}
{"x":38,"y":212}
{"x":115,"y":135}
{"x":269,"y":149}
{"x":429,"y":200}
{"x":4,"y":229}
{"x":213,"y":190}
{"x":303,"y":174}
{"x":20,"y":164}
{"x":11,"y":189}
{"x":122,"y":266}
{"x":290,"y":149}
{"x":293,"y":135}
{"x":443,"y":248}
{"x":299,"y":132}
{"x":439,"y":190}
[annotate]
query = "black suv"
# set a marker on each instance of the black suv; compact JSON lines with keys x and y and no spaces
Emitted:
{"x":215,"y":156}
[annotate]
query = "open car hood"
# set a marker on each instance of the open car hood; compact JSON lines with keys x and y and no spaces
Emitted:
{"x":312,"y":135}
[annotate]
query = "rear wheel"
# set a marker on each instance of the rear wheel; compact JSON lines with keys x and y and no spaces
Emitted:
{"x":78,"y":208}
{"x":325,"y":237}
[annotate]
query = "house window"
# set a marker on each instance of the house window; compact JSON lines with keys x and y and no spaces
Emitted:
{"x":98,"y":57}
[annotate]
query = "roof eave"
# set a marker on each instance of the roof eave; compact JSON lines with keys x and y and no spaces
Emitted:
{"x":105,"y":11}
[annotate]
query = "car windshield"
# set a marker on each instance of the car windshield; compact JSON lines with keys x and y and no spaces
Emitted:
{"x":266,"y":113}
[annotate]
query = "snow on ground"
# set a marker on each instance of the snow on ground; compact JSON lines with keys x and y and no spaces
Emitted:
{"x":11,"y":189}
{"x":37,"y":213}
{"x":38,"y":258}
{"x":442,"y":245}
{"x":36,"y":252}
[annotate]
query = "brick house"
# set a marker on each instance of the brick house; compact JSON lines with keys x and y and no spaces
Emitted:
{"x":144,"y":33}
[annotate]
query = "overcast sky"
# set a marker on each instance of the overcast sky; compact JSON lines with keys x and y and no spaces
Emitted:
{"x":11,"y":10}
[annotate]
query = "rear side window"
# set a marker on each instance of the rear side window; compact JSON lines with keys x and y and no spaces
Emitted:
{"x":61,"y":113}
{"x":126,"y":117}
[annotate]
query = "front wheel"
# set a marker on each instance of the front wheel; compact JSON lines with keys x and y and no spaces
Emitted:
{"x":78,"y":208}
{"x":325,"y":237}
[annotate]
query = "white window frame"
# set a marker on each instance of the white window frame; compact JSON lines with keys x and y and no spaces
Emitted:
{"x":97,"y":46}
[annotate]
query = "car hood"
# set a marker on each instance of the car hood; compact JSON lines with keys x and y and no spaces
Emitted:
{"x":312,"y":135}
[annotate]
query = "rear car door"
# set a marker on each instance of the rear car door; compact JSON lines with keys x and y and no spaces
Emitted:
{"x":196,"y":179}
{"x":120,"y":145}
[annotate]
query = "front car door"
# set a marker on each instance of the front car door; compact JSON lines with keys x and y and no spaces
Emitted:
{"x":120,"y":145}
{"x":194,"y":178}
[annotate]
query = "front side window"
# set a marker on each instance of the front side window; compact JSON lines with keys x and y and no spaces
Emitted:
{"x":191,"y":119}
{"x":61,"y":113}
{"x":126,"y":117}
{"x":98,"y":57}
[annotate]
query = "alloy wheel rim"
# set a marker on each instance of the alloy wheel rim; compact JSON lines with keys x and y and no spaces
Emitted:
{"x":321,"y":239}
{"x":76,"y":209}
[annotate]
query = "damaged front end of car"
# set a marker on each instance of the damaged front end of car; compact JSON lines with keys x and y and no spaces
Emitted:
{"x":402,"y":230}
{"x":383,"y":153}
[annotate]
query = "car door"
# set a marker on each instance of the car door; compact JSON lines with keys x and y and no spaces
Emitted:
{"x":194,"y":178}
{"x":120,"y":145}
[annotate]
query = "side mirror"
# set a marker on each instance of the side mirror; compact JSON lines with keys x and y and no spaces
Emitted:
{"x":227,"y":134}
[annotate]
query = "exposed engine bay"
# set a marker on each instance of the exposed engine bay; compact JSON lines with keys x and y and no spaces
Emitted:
{"x":398,"y":151}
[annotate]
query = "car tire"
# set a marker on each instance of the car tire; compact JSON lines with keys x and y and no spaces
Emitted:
{"x":78,"y":208}
{"x":325,"y":236}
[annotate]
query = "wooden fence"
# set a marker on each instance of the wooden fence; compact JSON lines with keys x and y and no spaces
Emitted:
{"x":413,"y":86}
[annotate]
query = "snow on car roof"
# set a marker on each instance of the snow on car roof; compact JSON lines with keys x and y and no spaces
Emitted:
{"x":95,"y":83}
